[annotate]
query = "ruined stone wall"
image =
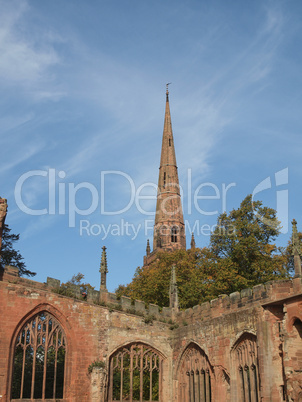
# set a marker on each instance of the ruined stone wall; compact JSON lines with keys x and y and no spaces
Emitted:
{"x":271,"y":314}
{"x":93,"y":333}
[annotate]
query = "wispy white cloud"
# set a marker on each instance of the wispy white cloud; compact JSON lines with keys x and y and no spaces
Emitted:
{"x":24,"y":63}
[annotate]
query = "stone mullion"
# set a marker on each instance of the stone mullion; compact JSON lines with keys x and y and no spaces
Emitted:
{"x":55,"y":368}
{"x":185,"y":391}
{"x":192,"y":386}
{"x":141,"y":374}
{"x":131,"y":374}
{"x":255,"y":377}
{"x":45,"y":356}
{"x":151,"y":368}
{"x":111,"y":380}
{"x":189,"y":385}
{"x":23,"y":365}
{"x":196,"y":385}
{"x":207,"y":381}
{"x":242,"y":384}
{"x":122,"y":376}
{"x":160,"y":380}
{"x":246,"y":384}
{"x":202,"y":386}
{"x":33,"y":338}
{"x":253,"y":384}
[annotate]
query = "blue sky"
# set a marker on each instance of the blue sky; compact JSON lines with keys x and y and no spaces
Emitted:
{"x":83,"y":94}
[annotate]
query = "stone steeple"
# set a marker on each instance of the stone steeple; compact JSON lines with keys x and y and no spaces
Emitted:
{"x":296,"y":250}
{"x":169,"y":228}
{"x":103,"y":270}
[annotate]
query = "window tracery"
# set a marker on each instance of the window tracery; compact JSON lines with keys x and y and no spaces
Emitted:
{"x":247,"y":368}
{"x":39,"y":359}
{"x":195,"y":376}
{"x":135,"y":374}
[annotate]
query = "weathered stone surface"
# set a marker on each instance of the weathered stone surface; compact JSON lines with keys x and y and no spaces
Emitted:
{"x":95,"y":332}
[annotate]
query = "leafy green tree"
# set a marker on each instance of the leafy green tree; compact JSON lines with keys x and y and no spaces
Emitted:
{"x":68,"y":288}
{"x":10,"y":256}
{"x":151,"y":284}
{"x":241,"y":254}
{"x":245,"y":239}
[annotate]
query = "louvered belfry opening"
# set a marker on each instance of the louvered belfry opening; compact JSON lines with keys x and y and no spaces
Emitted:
{"x":39,"y":360}
{"x":195,"y":380}
{"x":135,"y":374}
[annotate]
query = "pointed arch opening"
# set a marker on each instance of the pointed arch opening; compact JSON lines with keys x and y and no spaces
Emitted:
{"x":39,"y":359}
{"x":135,"y":374}
{"x":195,"y":376}
{"x":246,"y":364}
{"x":297,"y":325}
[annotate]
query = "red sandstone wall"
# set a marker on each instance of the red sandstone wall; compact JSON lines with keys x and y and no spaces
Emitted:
{"x":95,"y":332}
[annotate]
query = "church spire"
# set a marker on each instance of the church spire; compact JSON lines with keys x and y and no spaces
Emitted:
{"x":169,"y":229}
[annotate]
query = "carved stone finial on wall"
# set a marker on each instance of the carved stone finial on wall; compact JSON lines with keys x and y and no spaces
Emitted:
{"x":296,"y":249}
{"x":104,"y":269}
{"x":3,"y":212}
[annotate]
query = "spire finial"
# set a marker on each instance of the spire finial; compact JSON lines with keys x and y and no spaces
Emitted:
{"x":296,"y":250}
{"x":167,"y":91}
{"x":148,"y":249}
{"x":193,"y":245}
{"x":103,"y":269}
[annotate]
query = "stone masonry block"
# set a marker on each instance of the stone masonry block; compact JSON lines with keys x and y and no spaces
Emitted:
{"x":167,"y":312}
{"x":258,"y":290}
{"x":214,"y":303}
{"x":205,"y":306}
{"x":246,"y":293}
{"x":126,"y":302}
{"x":112,"y":298}
{"x":234,"y":297}
{"x":153,"y":309}
{"x":140,"y":306}
{"x":93,"y":295}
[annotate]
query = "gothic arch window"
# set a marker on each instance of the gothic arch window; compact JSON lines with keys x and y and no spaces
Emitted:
{"x":294,"y":346}
{"x":298,"y":327}
{"x":135,"y":374}
{"x":174,"y":232}
{"x":39,"y":359}
{"x":195,"y":376}
{"x":246,"y":362}
{"x":164,"y":179}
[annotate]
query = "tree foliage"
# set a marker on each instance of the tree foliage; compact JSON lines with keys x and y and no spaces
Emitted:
{"x":245,"y":238}
{"x":10,"y":256}
{"x":76,"y":282}
{"x":241,"y":254}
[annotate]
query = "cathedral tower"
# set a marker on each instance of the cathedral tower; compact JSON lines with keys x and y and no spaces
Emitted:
{"x":169,"y":228}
